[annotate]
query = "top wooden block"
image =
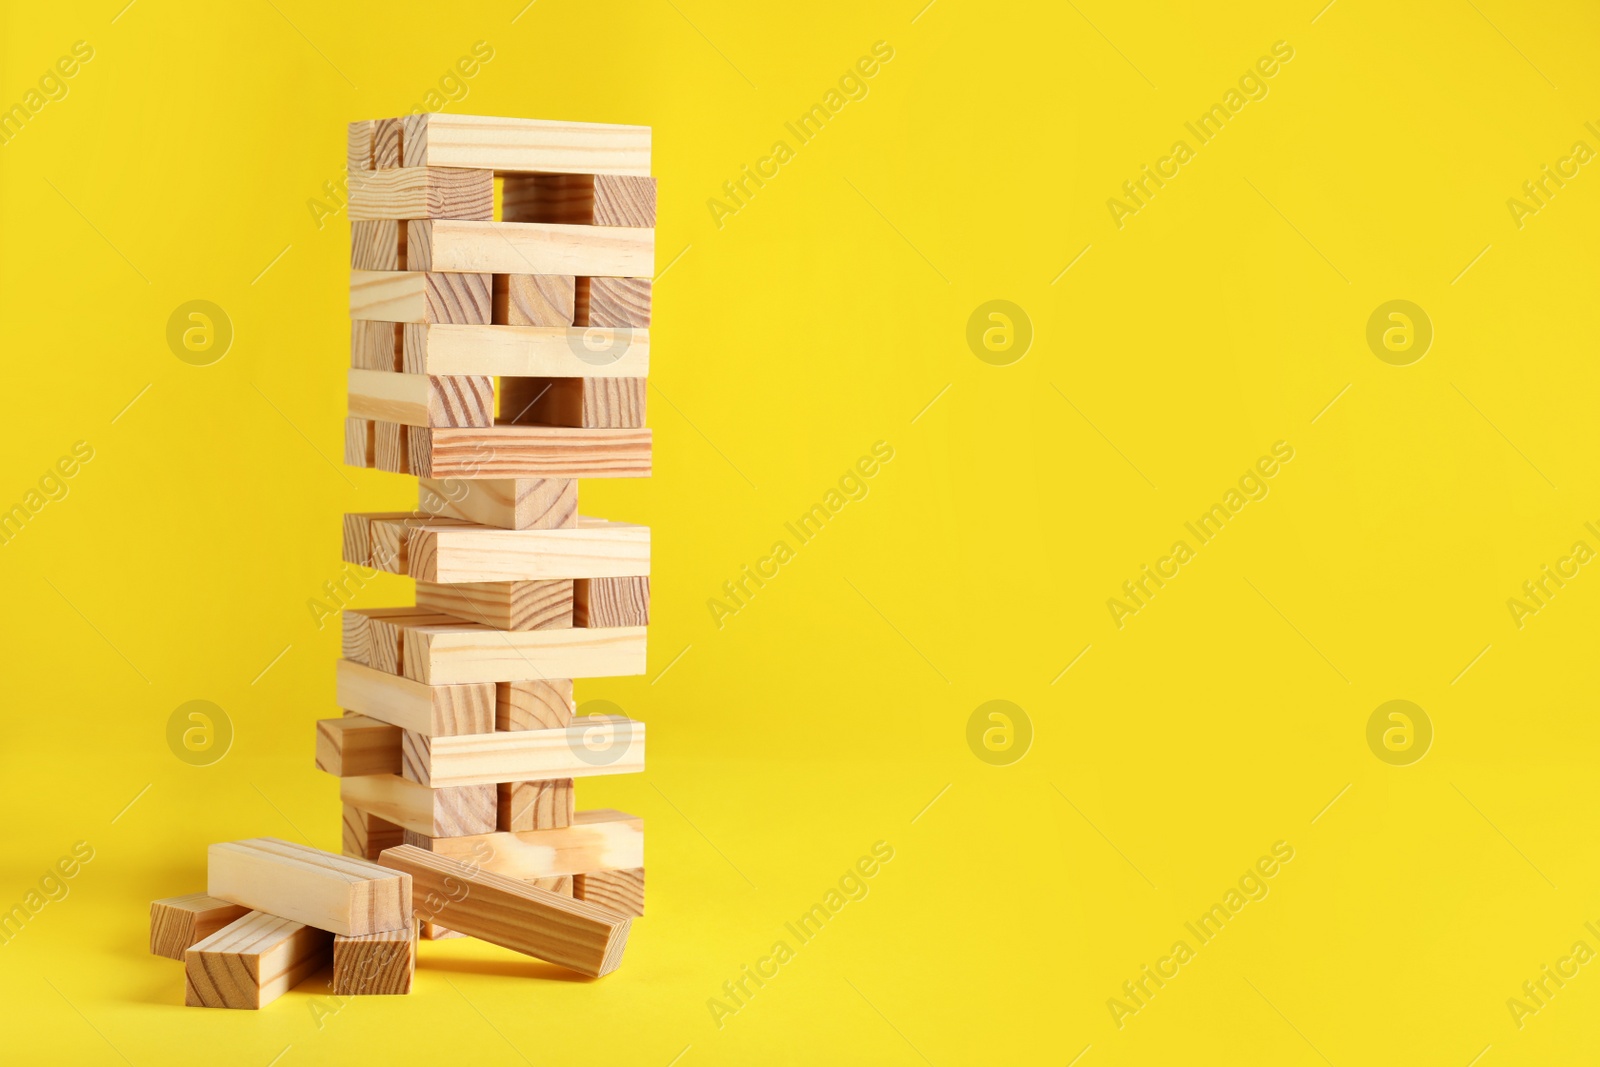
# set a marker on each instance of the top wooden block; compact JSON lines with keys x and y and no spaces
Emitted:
{"x":507,"y":145}
{"x":340,"y":894}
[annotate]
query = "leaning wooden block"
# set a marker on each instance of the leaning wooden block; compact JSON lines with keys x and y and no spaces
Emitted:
{"x":536,"y":805}
{"x":583,"y":199}
{"x":365,"y":835}
{"x":592,"y":745}
{"x":541,"y":605}
{"x":420,"y":296}
{"x":451,"y":654}
{"x":612,"y":303}
{"x":510,"y":145}
{"x":505,"y":503}
{"x":570,"y":933}
{"x":530,"y":248}
{"x":422,"y":399}
{"x":375,"y":964}
{"x":526,"y":351}
{"x":599,"y":840}
{"x":621,"y":891}
{"x":435,"y":812}
{"x":340,"y":894}
{"x":534,"y":299}
{"x":611,"y":602}
{"x":422,"y":193}
{"x":528,"y":452}
{"x":534,"y":704}
{"x":177,"y":923}
{"x":356,"y":745}
{"x":592,"y":402}
{"x":435,"y":710}
{"x":592,"y":548}
{"x":252,"y":961}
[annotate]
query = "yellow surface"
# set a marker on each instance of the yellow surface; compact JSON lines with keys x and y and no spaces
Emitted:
{"x":832,"y":709}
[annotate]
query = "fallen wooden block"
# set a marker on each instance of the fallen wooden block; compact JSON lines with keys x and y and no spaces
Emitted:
{"x":452,"y":553}
{"x":544,"y":805}
{"x":422,"y":193}
{"x":340,"y":894}
{"x":505,"y":503}
{"x":534,"y":704}
{"x":598,"y":840}
{"x":456,"y":246}
{"x":508,"y":145}
{"x":614,"y":303}
{"x":435,"y":710}
{"x":528,"y":452}
{"x":536,"y":605}
{"x":534,"y":300}
{"x":525,"y":351}
{"x":598,"y":602}
{"x":356,"y":745}
{"x":419,"y":296}
{"x":592,"y":402}
{"x":375,"y":964}
{"x":364,"y":835}
{"x":579,"y":199}
{"x":592,"y":745}
{"x":422,"y":399}
{"x":621,"y":891}
{"x":453,"y":653}
{"x":252,"y":961}
{"x":177,"y":923}
{"x":437,"y":812}
{"x":503,"y":911}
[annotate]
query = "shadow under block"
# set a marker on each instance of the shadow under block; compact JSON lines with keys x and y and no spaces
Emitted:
{"x":508,"y":145}
{"x":434,"y":710}
{"x":435,"y":812}
{"x":375,"y":964}
{"x":340,"y":894}
{"x":534,"y":704}
{"x":505,"y":503}
{"x":537,"y":605}
{"x":252,"y":961}
{"x":536,"y":805}
{"x":599,"y":840}
{"x":621,"y":891}
{"x":421,"y":399}
{"x":579,"y":199}
{"x":534,"y":300}
{"x":601,"y":602}
{"x":610,"y":403}
{"x":177,"y":923}
{"x":356,"y":745}
{"x":523,"y":351}
{"x":420,"y":296}
{"x":612,"y":303}
{"x":592,"y":745}
{"x":421,"y":193}
{"x":458,"y":246}
{"x":571,"y":933}
{"x":365,"y":835}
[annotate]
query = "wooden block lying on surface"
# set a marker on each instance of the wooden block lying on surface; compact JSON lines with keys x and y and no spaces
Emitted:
{"x":505,"y":503}
{"x":359,"y":144}
{"x":375,"y":345}
{"x":356,"y":745}
{"x":365,"y":835}
{"x":592,"y":402}
{"x":592,"y":745}
{"x":422,"y":193}
{"x":541,"y":605}
{"x":434,"y":710}
{"x":525,"y":351}
{"x":534,"y":704}
{"x":377,"y":244}
{"x":454,"y":245}
{"x":386,"y":143}
{"x":621,"y":891}
{"x":599,"y":840}
{"x":252,"y":961}
{"x":581,"y":199}
{"x":534,"y":299}
{"x":507,"y":145}
{"x":592,"y":548}
{"x":536,"y":805}
{"x":503,"y":911}
{"x":436,"y":812}
{"x":611,"y":602}
{"x":340,"y":894}
{"x":375,"y":964}
{"x":445,"y":654}
{"x":421,"y":399}
{"x":358,"y":443}
{"x":420,"y":296}
{"x":177,"y":923}
{"x":612,"y":302}
{"x":529,"y":452}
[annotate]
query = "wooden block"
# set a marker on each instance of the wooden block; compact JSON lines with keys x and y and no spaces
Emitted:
{"x":436,"y":812}
{"x":536,"y":805}
{"x":530,"y":248}
{"x":525,"y":351}
{"x":422,"y":399}
{"x":357,"y":546}
{"x":375,"y":964}
{"x":177,"y":923}
{"x":506,"y":145}
{"x":464,"y":652}
{"x":584,"y":199}
{"x":375,"y":345}
{"x":365,"y":835}
{"x":372,"y":637}
{"x":594,"y":548}
{"x":621,"y":891}
{"x":541,"y":605}
{"x":359,"y":444}
{"x":359,"y":145}
{"x":503,"y":911}
{"x":593,"y":745}
{"x":596,"y":841}
{"x":356,"y":745}
{"x":387,"y":150}
{"x":420,"y":296}
{"x":340,"y":894}
{"x":534,"y":704}
{"x":601,"y":602}
{"x":529,"y":452}
{"x":253,"y":961}
{"x":613,"y":403}
{"x":533,"y":299}
{"x":391,"y":447}
{"x":612,"y":302}
{"x":435,"y":932}
{"x":422,"y":193}
{"x":505,"y":503}
{"x":377,"y":244}
{"x":434,"y":710}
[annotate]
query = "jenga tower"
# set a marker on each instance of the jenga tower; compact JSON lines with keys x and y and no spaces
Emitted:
{"x":498,"y":360}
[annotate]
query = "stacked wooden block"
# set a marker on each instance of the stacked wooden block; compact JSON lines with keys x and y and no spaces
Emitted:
{"x":498,"y":360}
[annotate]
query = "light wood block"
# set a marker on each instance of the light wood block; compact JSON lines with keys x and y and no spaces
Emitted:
{"x":525,"y":351}
{"x":387,"y":149}
{"x":356,"y":745}
{"x":547,"y":805}
{"x":593,"y":402}
{"x":373,"y":636}
{"x":505,"y":503}
{"x":365,"y":835}
{"x":357,"y":543}
{"x":375,"y":345}
{"x":453,"y":245}
{"x":359,"y":144}
{"x":503,"y":911}
{"x":508,"y":145}
{"x":420,"y":296}
{"x":534,"y":704}
{"x":593,"y":745}
{"x":582,"y":199}
{"x":435,"y":932}
{"x":534,"y":299}
{"x":463,"y":652}
{"x":177,"y":923}
{"x":434,"y":710}
{"x":340,"y":894}
{"x":612,"y":303}
{"x":253,"y":961}
{"x":359,"y":443}
{"x":422,"y":399}
{"x":542,"y":605}
{"x":376,"y":244}
{"x":598,"y":840}
{"x":422,"y":193}
{"x":621,"y":891}
{"x":375,"y":964}
{"x":436,"y":812}
{"x":599,"y":602}
{"x":529,"y":452}
{"x":594,"y":548}
{"x":391,"y":447}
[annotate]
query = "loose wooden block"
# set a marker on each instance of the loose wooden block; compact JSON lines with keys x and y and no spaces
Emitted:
{"x":598,"y":840}
{"x":375,"y":964}
{"x":612,"y":302}
{"x":544,"y":805}
{"x":422,"y":193}
{"x":252,"y":961}
{"x":340,"y":894}
{"x":533,"y":299}
{"x":507,"y":145}
{"x":594,"y":548}
{"x":377,"y":244}
{"x":542,"y":605}
{"x":621,"y":891}
{"x":601,"y":602}
{"x":359,"y":145}
{"x":592,"y":745}
{"x":530,"y":248}
{"x":525,"y":351}
{"x":359,"y":442}
{"x":585,"y":199}
{"x":570,"y":933}
{"x":375,"y":345}
{"x":506,"y":503}
{"x":365,"y":835}
{"x":436,"y":812}
{"x":387,"y":143}
{"x":420,"y":296}
{"x":177,"y":923}
{"x":534,"y":704}
{"x":356,"y":745}
{"x":592,"y":402}
{"x":422,"y":399}
{"x":529,"y":452}
{"x":435,"y":710}
{"x":464,"y":652}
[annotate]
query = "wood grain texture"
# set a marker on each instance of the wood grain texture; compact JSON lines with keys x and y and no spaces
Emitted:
{"x":447,"y":655}
{"x":544,"y":805}
{"x":402,"y":193}
{"x":422,"y":399}
{"x":582,"y":199}
{"x":530,"y":248}
{"x":541,"y":605}
{"x":601,"y":602}
{"x":375,"y":345}
{"x":531,"y":452}
{"x":597,"y":840}
{"x":387,"y":150}
{"x":533,"y":299}
{"x":364,"y":835}
{"x":358,"y":144}
{"x":340,"y":894}
{"x":504,"y":503}
{"x":594,"y":548}
{"x":612,"y":303}
{"x":177,"y":923}
{"x":372,"y":636}
{"x":436,"y":812}
{"x":391,"y":449}
{"x":252,"y":961}
{"x":503,"y":911}
{"x":375,"y":964}
{"x":593,"y":745}
{"x":435,"y":710}
{"x":508,"y":145}
{"x":609,"y":403}
{"x":534,"y":704}
{"x":359,"y":443}
{"x":525,"y":351}
{"x":420,"y":296}
{"x":621,"y":891}
{"x":356,"y":745}
{"x":377,"y":244}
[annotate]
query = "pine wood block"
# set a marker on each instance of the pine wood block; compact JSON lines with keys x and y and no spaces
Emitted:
{"x":526,"y":351}
{"x":413,"y":807}
{"x":454,"y":245}
{"x":598,"y":840}
{"x":359,"y":443}
{"x":593,"y":402}
{"x":533,"y":300}
{"x":434,"y":710}
{"x":356,"y":745}
{"x":422,"y":193}
{"x":422,"y":399}
{"x":503,"y":911}
{"x":583,"y":199}
{"x":375,"y":345}
{"x":177,"y":923}
{"x":376,"y":964}
{"x":391,"y":448}
{"x":594,"y":548}
{"x":358,"y":152}
{"x":534,"y":704}
{"x":386,"y":143}
{"x":621,"y":891}
{"x":372,"y":636}
{"x":529,"y":452}
{"x":508,"y":145}
{"x":592,"y":745}
{"x":599,"y":602}
{"x":435,"y":932}
{"x":505,"y":503}
{"x":541,"y":605}
{"x":365,"y":835}
{"x":612,"y":303}
{"x":377,"y":244}
{"x":357,"y":544}
{"x":340,"y":894}
{"x":253,"y":961}
{"x":546,"y":805}
{"x":418,"y":295}
{"x":464,"y":652}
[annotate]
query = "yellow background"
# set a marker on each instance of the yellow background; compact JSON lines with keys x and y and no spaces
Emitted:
{"x":826,"y":715}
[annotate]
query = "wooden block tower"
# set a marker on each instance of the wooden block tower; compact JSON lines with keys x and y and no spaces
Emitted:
{"x":498,"y":360}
